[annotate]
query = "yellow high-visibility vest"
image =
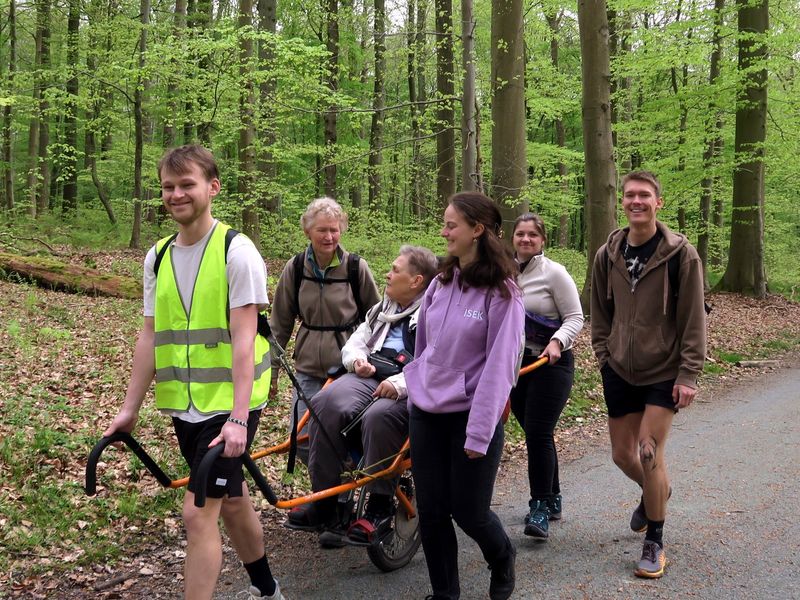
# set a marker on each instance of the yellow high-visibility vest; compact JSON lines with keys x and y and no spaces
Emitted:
{"x":193,"y":352}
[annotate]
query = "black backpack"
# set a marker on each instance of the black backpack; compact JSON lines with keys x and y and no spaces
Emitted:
{"x":229,"y":235}
{"x":353,"y":261}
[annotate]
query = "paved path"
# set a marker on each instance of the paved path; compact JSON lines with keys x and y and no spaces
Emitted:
{"x":732,"y":528}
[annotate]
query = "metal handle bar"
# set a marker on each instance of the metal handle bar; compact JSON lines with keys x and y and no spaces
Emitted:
{"x":205,"y":467}
{"x":127,"y":439}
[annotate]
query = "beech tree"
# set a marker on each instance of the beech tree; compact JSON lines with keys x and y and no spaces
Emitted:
{"x":330,"y":116}
{"x":470,"y":176}
{"x":600,"y":170}
{"x":745,"y":272}
{"x":713,"y":149}
{"x":247,"y":130}
{"x":378,"y":105}
{"x":138,"y":188}
{"x":70,"y":193}
{"x":8,"y":152}
{"x":445,"y":113}
{"x":509,"y":161}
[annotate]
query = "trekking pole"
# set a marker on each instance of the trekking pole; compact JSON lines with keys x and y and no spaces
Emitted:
{"x":265,"y":330}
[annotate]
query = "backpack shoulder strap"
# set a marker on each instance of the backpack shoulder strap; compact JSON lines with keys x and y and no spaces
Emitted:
{"x":409,"y":337}
{"x":161,"y":252}
{"x":298,"y":264}
{"x":673,"y":272}
{"x":229,"y":235}
{"x":353,"y":264}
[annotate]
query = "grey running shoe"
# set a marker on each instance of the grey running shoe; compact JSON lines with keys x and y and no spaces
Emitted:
{"x":639,"y":516}
{"x":538,"y":520}
{"x":653,"y":561}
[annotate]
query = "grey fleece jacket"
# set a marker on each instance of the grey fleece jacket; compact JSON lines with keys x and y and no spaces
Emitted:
{"x":650,"y":335}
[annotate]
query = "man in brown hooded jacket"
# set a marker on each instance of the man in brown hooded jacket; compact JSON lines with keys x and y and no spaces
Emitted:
{"x":649,"y":337}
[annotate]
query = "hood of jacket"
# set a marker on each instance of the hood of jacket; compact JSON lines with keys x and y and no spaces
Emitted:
{"x":672,"y":242}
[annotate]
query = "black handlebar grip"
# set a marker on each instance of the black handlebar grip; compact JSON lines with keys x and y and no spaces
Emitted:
{"x":205,"y":467}
{"x":127,"y":439}
{"x":202,"y":474}
{"x":259,"y":479}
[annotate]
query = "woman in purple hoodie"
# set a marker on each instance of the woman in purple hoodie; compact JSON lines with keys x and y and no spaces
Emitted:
{"x":468,"y":348}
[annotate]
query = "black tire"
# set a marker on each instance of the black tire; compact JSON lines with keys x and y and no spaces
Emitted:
{"x":399,"y":546}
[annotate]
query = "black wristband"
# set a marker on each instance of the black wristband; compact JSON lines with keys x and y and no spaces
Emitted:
{"x":237,"y":421}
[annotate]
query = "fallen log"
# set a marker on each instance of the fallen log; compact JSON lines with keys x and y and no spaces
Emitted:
{"x":56,"y":275}
{"x":755,"y":364}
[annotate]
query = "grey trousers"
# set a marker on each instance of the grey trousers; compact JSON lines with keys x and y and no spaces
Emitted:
{"x":310,"y":386}
{"x":384,"y":428}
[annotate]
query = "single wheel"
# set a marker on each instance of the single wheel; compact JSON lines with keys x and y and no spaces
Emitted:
{"x":396,"y":549}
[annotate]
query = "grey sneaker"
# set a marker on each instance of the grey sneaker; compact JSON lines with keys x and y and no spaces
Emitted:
{"x":653,"y":561}
{"x":255,"y":593}
{"x":639,"y":516}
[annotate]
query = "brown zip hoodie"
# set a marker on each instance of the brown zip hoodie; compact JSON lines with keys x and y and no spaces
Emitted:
{"x":649,"y":335}
{"x":329,"y":304}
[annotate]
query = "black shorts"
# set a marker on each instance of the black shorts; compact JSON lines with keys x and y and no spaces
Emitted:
{"x":226,"y":477}
{"x":623,"y":398}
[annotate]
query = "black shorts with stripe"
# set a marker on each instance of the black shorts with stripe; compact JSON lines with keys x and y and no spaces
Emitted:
{"x":226,"y":476}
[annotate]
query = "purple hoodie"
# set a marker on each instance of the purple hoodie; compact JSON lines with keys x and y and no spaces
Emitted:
{"x":469,"y":344}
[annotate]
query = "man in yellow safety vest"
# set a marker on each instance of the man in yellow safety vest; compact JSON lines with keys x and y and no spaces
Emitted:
{"x":203,"y":289}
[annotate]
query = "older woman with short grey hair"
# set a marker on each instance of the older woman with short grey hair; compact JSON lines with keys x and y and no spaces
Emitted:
{"x":328,"y":290}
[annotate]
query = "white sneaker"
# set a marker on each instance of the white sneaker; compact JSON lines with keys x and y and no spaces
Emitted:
{"x":255,"y":593}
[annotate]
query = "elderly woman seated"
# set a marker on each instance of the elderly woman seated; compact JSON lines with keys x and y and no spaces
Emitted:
{"x":375,"y":386}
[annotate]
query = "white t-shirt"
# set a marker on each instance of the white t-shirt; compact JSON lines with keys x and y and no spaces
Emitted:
{"x":247,"y":284}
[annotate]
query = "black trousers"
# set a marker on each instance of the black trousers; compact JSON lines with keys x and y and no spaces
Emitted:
{"x":537,"y":402}
{"x":452,"y":487}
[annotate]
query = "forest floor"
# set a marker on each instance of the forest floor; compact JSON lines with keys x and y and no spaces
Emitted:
{"x":64,"y":364}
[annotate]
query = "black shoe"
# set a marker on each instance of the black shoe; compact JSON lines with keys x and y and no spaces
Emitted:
{"x":311,"y":517}
{"x":334,"y":532}
{"x":333,"y":537}
{"x":555,"y":507}
{"x":372,"y":527}
{"x":639,"y":518}
{"x":501,"y":585}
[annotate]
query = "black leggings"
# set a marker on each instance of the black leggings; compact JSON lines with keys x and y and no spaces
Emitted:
{"x":537,"y":402}
{"x":452,"y":487}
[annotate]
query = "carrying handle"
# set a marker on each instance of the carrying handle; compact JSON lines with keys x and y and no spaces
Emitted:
{"x":205,"y":468}
{"x":127,"y":439}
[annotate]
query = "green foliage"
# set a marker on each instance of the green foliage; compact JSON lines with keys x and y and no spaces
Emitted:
{"x":729,"y":357}
{"x":193,"y":81}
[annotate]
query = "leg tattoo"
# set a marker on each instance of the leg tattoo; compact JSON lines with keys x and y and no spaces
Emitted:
{"x":647,"y":453}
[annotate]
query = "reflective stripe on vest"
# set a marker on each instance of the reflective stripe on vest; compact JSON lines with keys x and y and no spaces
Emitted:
{"x":193,"y":353}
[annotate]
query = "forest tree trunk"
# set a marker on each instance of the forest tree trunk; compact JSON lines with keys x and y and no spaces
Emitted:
{"x":745,"y":272}
{"x":509,"y":161}
{"x":445,"y":88}
{"x":600,"y":169}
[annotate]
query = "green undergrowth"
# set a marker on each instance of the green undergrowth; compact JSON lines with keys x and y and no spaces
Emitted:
{"x":63,"y":364}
